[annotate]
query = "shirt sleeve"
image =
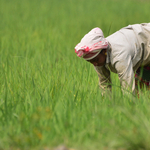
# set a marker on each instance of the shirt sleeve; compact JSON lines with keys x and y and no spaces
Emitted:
{"x":125,"y":72}
{"x":104,"y":77}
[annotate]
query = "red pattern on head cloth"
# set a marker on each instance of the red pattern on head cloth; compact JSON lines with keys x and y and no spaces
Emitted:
{"x":91,"y":44}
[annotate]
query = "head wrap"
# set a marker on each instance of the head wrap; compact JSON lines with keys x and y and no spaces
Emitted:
{"x":91,"y":44}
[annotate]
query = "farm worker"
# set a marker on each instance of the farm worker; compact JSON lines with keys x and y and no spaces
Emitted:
{"x":125,"y":52}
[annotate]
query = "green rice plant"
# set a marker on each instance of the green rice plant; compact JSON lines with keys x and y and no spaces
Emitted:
{"x":49,"y":96}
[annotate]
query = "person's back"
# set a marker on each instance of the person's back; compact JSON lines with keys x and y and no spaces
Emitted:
{"x":131,"y":40}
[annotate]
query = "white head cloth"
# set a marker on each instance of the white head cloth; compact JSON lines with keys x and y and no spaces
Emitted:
{"x":91,"y":44}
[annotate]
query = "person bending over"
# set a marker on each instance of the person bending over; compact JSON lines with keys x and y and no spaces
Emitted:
{"x":125,"y":52}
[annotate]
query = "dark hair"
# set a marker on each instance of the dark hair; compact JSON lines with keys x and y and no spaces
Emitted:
{"x":102,"y":51}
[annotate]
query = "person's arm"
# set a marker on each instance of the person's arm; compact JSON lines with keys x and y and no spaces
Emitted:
{"x":125,"y":72}
{"x":104,"y":77}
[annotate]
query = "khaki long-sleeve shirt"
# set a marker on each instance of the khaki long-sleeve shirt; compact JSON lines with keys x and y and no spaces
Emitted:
{"x":129,"y":48}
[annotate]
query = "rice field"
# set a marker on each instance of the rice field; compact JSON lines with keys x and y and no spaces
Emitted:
{"x":49,"y":96}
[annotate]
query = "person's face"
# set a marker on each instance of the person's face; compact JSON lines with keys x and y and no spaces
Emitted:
{"x":99,"y":60}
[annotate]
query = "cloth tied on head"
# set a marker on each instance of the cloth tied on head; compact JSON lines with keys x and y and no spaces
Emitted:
{"x":91,"y":44}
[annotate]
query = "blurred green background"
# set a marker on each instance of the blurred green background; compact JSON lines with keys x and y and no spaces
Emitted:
{"x":49,"y":96}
